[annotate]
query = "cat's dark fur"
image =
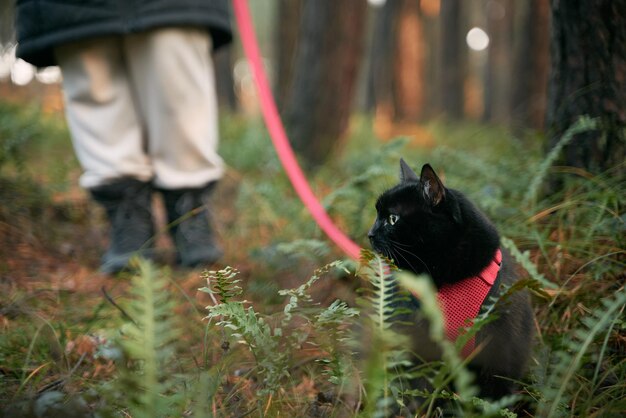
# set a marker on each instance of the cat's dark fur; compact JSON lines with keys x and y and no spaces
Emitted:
{"x":427,"y":228}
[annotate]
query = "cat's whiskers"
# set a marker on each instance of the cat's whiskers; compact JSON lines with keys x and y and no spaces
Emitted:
{"x":385,"y":251}
{"x":398,"y":255}
{"x":399,"y":244}
{"x":398,"y":248}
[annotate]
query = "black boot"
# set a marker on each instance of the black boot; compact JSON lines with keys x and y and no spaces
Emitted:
{"x":128,"y":205}
{"x":189,"y":225}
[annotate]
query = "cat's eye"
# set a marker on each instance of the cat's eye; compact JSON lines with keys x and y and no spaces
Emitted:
{"x":393,"y":219}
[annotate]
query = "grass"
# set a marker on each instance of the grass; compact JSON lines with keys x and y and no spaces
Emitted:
{"x":282,"y":345}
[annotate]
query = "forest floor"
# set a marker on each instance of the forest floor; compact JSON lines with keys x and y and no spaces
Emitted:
{"x":54,"y":301}
{"x":57,"y":311}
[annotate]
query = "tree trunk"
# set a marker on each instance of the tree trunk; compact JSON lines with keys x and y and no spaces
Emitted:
{"x":530,"y":70}
{"x":588,"y":77}
{"x":453,"y":66}
{"x":408,"y":87}
{"x":498,"y":76}
{"x":289,"y":16}
{"x":381,"y":55}
{"x":326,"y":66}
{"x":224,"y":80}
{"x":432,"y":71}
{"x":540,"y":56}
{"x":7,"y":17}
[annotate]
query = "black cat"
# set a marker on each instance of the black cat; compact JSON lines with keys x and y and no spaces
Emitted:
{"x":427,"y":228}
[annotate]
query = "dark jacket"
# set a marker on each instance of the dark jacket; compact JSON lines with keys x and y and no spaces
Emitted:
{"x":42,"y":25}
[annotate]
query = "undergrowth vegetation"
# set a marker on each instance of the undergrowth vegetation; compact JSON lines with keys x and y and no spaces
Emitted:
{"x":286,"y":326}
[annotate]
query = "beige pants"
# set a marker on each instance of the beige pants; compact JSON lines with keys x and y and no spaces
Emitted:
{"x":143,"y":106}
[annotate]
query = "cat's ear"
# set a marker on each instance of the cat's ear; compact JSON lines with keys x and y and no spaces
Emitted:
{"x":406,"y":174}
{"x":432,"y":187}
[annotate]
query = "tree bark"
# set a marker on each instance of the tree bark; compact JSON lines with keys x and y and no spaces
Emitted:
{"x":588,"y":77}
{"x":453,"y":56}
{"x":381,"y":55}
{"x":325,"y":75}
{"x":499,"y":57}
{"x":530,"y":70}
{"x":408,"y":87}
{"x":289,"y":16}
{"x":7,"y":17}
{"x":224,"y":80}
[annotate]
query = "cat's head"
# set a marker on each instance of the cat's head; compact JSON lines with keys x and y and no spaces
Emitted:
{"x":417,"y":220}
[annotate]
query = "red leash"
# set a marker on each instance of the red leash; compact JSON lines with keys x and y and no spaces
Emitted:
{"x":279,"y":137}
{"x":450,"y":298}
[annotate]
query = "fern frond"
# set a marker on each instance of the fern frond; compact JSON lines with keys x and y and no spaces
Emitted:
{"x":300,"y":294}
{"x":523,"y":259}
{"x":335,"y":314}
{"x":254,"y":332}
{"x":497,"y":408}
{"x":207,"y":386}
{"x":148,"y":344}
{"x":454,"y":368}
{"x":311,"y":249}
{"x":469,"y":161}
{"x":330,"y":323}
{"x":386,"y":349}
{"x":244,"y":324}
{"x":222,"y":283}
{"x":583,"y":124}
{"x":385,"y":299}
{"x":577,"y":344}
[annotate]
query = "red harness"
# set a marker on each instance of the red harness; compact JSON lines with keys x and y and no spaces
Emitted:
{"x":460,"y":302}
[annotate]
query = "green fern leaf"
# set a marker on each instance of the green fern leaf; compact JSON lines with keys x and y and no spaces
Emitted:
{"x":453,"y":365}
{"x":249,"y":329}
{"x":583,"y":124}
{"x":385,"y":297}
{"x":222,"y":283}
{"x":577,"y":345}
{"x":300,"y":294}
{"x":523,"y":259}
{"x":148,"y":345}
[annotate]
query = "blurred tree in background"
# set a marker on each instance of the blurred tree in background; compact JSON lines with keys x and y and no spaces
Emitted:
{"x":396,"y":61}
{"x":531,"y":64}
{"x":407,"y":62}
{"x":330,"y":43}
{"x":588,"y":46}
{"x":381,"y":52}
{"x":453,"y":59}
{"x":225,"y":82}
{"x":286,"y":31}
{"x":6,"y":22}
{"x":499,"y":69}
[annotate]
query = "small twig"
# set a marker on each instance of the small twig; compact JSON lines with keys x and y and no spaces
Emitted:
{"x":245,"y":414}
{"x":269,"y":401}
{"x":119,"y":308}
{"x":52,"y":385}
{"x":61,"y":381}
{"x":80,"y":360}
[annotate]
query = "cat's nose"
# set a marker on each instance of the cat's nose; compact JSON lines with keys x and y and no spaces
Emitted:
{"x":370,"y":233}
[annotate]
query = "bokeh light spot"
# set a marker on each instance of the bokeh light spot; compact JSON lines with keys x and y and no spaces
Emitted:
{"x":477,"y":39}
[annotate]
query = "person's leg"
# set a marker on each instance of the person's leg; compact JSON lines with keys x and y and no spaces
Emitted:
{"x":128,"y":206}
{"x":100,"y":110}
{"x":108,"y":141}
{"x":173,"y":76}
